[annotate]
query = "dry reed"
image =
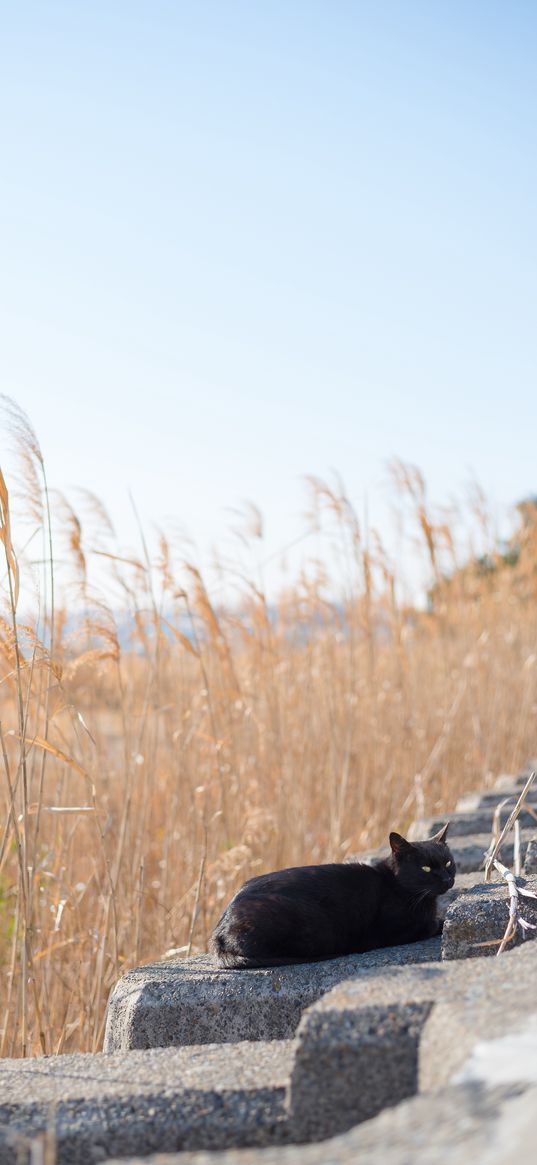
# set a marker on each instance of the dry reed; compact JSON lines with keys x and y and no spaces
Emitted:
{"x":159,"y":750}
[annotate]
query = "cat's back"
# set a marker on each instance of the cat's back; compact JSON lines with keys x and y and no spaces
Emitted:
{"x":317,"y":881}
{"x":298,"y":914}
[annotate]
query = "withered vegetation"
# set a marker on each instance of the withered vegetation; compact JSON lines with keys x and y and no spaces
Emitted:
{"x":160,"y":747}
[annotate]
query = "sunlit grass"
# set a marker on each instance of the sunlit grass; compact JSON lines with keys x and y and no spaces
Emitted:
{"x":144,"y":781}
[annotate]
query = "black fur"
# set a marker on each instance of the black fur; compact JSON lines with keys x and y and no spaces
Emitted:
{"x":309,"y":913}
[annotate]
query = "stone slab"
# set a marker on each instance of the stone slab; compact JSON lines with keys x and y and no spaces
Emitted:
{"x":471,"y":802}
{"x":468,"y":1001}
{"x":466,"y":824}
{"x":463,"y":1123}
{"x":480,"y":915}
{"x":506,"y":783}
{"x":486,"y":1113}
{"x":351,"y":1063}
{"x":98,"y":1106}
{"x":507,"y":1060}
{"x":464,"y":882}
{"x":193,"y":1001}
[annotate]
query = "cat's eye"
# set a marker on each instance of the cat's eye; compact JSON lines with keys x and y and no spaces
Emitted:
{"x":426,"y":869}
{"x":448,"y":865}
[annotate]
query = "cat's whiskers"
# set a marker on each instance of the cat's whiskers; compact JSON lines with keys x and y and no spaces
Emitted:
{"x":418,"y":899}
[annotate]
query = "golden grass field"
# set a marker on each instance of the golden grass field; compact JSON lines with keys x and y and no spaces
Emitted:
{"x":141,"y":784}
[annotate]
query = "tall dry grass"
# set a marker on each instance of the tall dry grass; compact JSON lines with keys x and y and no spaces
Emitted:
{"x":143,"y":780}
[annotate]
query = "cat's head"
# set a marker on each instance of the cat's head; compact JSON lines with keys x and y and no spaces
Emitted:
{"x":427,"y":867}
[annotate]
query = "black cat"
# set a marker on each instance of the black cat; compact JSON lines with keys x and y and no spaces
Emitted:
{"x":308,"y":913}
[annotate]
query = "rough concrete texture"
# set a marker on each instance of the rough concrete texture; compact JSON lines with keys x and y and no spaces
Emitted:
{"x":488,"y":1113}
{"x":196,"y":1002}
{"x":480,"y":915}
{"x":351,"y":1063}
{"x":466,"y":824}
{"x":357,"y":1050}
{"x":465,"y":1123}
{"x":95,"y":1106}
{"x":464,"y":882}
{"x":468,"y":1001}
{"x":471,"y":802}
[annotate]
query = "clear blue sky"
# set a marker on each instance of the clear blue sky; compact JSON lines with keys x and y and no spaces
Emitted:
{"x":244,"y":241}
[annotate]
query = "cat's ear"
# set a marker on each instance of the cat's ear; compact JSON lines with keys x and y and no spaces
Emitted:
{"x":399,"y":845}
{"x":442,"y":833}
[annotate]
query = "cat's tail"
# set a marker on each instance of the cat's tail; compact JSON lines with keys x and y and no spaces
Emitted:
{"x":232,"y":961}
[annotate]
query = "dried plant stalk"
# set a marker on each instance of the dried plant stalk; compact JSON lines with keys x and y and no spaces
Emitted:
{"x":496,"y":846}
{"x":515,"y":920}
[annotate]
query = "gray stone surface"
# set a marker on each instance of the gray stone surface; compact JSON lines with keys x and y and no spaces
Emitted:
{"x":471,"y":802}
{"x":480,"y":915}
{"x":466,"y":824}
{"x":463,"y":1124}
{"x":506,"y":783}
{"x":470,"y":1000}
{"x":469,"y":851}
{"x":97,"y":1106}
{"x":193,"y":1001}
{"x":464,"y":882}
{"x":351,"y":1063}
{"x":486,"y":1113}
{"x":506,"y":1060}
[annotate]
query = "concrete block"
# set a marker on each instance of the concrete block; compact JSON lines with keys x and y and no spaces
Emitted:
{"x":196,"y":1002}
{"x":97,"y":1106}
{"x":510,"y":1059}
{"x":487,"y":1117}
{"x":507,"y":783}
{"x":350,"y":1064}
{"x":463,"y":1123}
{"x":472,"y":802}
{"x":480,"y":915}
{"x":469,"y":852}
{"x":466,"y":1001}
{"x":463,"y":882}
{"x":465,"y":824}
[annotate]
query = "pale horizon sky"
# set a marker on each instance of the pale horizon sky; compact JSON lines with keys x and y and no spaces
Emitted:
{"x":247,"y":241}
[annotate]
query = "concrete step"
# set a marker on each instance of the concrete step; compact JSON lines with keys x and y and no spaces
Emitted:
{"x":476,"y":1120}
{"x":459,"y":1126}
{"x":367,"y":1044}
{"x":376,"y":1038}
{"x":408,"y":1029}
{"x":469,"y":851}
{"x":472,"y":802}
{"x":467,"y":824}
{"x":507,"y":783}
{"x":193,"y":1001}
{"x":90,"y":1107}
{"x":480,"y":915}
